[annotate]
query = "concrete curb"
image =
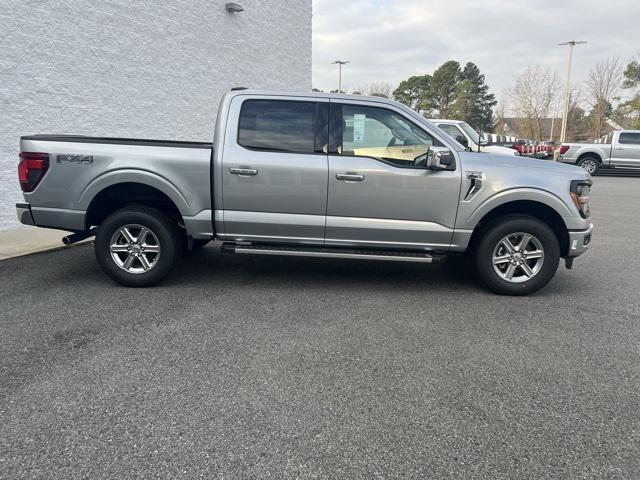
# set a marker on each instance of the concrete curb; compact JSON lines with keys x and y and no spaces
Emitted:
{"x":30,"y":240}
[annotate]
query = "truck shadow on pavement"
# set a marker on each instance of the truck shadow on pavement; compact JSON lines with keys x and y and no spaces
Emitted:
{"x":455,"y":274}
{"x":198,"y":267}
{"x":209,"y":268}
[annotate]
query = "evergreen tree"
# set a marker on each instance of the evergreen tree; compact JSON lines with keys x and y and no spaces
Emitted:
{"x":578,"y":125}
{"x":444,"y":86}
{"x":632,"y":75}
{"x":473,"y":103}
{"x":628,"y":113}
{"x":452,"y":93}
{"x":597,"y":116}
{"x":414,"y":92}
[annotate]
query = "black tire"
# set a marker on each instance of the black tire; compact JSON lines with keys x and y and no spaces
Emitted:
{"x":512,"y":225}
{"x":591,"y":164}
{"x":164,"y":233}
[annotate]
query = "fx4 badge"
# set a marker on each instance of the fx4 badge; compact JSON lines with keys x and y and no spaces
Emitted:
{"x":75,"y":158}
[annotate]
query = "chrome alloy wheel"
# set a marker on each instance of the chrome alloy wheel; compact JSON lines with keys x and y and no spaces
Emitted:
{"x":135,"y":248}
{"x":518,"y":257}
{"x":589,"y":165}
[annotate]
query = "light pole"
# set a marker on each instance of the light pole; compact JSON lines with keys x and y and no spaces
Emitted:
{"x":340,"y":63}
{"x":565,"y":115}
{"x":554,"y":111}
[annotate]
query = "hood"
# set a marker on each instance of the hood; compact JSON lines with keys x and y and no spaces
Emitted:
{"x":499,"y":149}
{"x":509,"y":161}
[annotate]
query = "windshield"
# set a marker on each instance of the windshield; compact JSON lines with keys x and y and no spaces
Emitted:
{"x":447,"y":130}
{"x":475,"y":136}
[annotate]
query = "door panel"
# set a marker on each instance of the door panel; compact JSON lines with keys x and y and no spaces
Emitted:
{"x":275,"y":195}
{"x":391,"y":206}
{"x":386,"y":198}
{"x":626,"y":151}
{"x":267,"y":226}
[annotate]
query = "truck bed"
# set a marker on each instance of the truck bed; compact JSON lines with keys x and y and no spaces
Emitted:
{"x":81,"y":167}
{"x":117,"y":141}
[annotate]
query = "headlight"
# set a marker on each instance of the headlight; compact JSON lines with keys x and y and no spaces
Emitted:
{"x":580,"y":192}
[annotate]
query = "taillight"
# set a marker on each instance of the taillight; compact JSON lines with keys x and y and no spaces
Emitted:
{"x":563,"y":149}
{"x":31,"y":169}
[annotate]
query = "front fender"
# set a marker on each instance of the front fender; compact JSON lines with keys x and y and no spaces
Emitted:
{"x":469,"y":217}
{"x":144,"y":177}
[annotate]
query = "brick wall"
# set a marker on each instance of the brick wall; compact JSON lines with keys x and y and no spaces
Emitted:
{"x":152,"y":69}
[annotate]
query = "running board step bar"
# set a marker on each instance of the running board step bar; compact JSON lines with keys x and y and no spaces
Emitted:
{"x":359,"y":254}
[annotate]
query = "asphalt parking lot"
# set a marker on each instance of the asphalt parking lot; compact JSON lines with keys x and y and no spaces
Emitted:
{"x":266,"y":367}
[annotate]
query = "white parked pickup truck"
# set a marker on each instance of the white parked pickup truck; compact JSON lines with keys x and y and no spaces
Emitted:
{"x":465,"y":135}
{"x":618,"y":149}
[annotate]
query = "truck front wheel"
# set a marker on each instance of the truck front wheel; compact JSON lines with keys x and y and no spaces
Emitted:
{"x":137,"y":246}
{"x":517,"y":255}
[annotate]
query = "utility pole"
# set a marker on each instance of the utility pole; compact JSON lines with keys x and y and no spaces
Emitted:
{"x":340,"y":63}
{"x":571,"y":43}
{"x":554,"y":111}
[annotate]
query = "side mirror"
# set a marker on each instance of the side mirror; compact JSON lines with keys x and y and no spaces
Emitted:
{"x":439,"y":158}
{"x":462,"y":140}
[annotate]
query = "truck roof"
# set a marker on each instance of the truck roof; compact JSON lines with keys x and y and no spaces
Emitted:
{"x":442,"y":120}
{"x":304,"y":93}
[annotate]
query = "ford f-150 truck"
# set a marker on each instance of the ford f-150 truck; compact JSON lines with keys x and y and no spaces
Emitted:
{"x":308,"y":174}
{"x":619,"y":149}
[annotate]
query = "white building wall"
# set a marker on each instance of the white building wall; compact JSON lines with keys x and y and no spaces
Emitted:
{"x":145,"y":69}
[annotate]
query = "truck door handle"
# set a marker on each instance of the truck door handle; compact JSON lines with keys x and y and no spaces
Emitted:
{"x":243,"y":171}
{"x":350,"y":177}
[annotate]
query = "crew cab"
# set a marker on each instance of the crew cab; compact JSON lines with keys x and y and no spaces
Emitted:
{"x":464,"y":134}
{"x":308,"y":174}
{"x":618,"y":149}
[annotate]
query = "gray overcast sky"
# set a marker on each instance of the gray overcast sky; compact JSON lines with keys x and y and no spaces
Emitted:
{"x":390,"y":40}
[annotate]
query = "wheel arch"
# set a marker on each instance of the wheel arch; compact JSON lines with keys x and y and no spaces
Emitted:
{"x":596,"y":155}
{"x":119,"y":195}
{"x":136,"y":176}
{"x":532,"y":208}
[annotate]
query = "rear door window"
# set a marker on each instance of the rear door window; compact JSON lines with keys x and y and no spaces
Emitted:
{"x":630,"y":138}
{"x":284,"y":126}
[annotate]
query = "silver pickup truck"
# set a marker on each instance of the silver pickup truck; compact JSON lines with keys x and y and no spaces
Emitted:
{"x":619,"y":149}
{"x":308,"y":174}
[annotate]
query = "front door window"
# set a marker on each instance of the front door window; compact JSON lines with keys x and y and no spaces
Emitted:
{"x":385,"y":135}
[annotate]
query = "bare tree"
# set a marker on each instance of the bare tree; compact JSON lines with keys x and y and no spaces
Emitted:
{"x":603,"y":84}
{"x":377,"y":89}
{"x":500,"y":114}
{"x":532,"y":94}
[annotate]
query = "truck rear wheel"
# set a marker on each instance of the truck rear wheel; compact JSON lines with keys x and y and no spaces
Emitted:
{"x":590,"y":164}
{"x":137,"y":246}
{"x":517,"y":255}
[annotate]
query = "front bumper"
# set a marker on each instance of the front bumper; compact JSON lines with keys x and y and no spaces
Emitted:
{"x":579,"y":241}
{"x":23,"y":211}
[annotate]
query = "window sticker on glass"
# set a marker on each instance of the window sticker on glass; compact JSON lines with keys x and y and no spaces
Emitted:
{"x":358,"y":127}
